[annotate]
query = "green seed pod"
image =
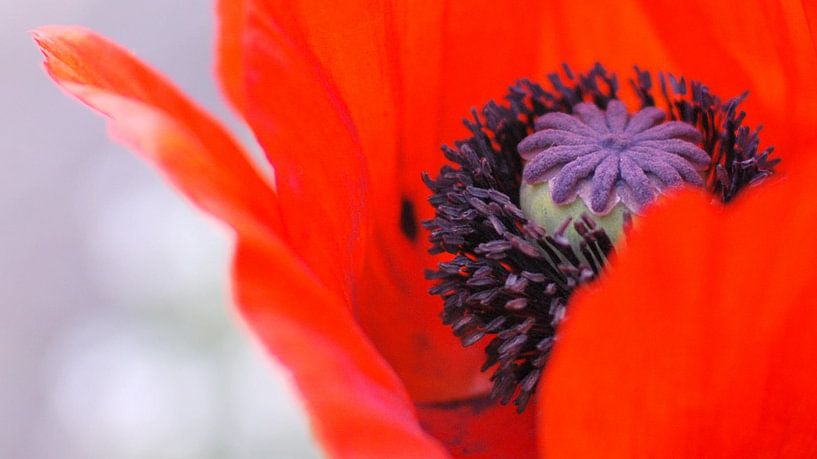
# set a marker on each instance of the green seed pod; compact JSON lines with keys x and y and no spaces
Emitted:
{"x":538,"y":206}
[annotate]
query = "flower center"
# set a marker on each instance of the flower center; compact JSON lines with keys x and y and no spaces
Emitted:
{"x":509,"y":277}
{"x":617,"y":157}
{"x":615,"y":142}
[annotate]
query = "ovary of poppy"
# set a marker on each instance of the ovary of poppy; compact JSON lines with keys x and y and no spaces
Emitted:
{"x":350,"y":104}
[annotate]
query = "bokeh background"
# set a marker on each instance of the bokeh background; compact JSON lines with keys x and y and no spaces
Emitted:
{"x":117,"y":337}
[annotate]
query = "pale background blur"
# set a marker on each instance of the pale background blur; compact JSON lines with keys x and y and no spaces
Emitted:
{"x":116,"y":336}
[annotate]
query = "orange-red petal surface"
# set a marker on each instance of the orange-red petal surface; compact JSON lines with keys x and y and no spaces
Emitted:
{"x":304,"y":127}
{"x":700,"y":341}
{"x":358,"y":407}
{"x":398,"y":78}
{"x":480,"y":428}
{"x":760,"y":45}
{"x":229,"y":50}
{"x":810,"y":9}
{"x":153,"y":117}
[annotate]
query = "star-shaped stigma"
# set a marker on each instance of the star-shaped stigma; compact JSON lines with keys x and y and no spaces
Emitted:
{"x":606,"y":157}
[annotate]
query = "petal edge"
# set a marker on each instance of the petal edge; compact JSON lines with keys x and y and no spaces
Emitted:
{"x":150,"y":115}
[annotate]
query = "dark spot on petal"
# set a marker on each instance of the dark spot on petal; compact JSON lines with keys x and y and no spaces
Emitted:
{"x":475,"y":404}
{"x":408,"y":219}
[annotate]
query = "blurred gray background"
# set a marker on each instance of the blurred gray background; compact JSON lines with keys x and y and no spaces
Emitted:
{"x":117,"y":339}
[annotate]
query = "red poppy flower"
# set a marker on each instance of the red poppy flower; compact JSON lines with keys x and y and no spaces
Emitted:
{"x":350,"y":105}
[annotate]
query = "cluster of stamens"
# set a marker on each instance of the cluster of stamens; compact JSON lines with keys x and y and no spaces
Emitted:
{"x":509,"y":280}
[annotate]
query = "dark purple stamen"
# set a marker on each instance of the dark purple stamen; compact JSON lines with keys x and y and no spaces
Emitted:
{"x":614,"y":156}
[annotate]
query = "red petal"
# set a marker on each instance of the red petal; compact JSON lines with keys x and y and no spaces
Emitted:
{"x":229,"y":50}
{"x":763,"y":46}
{"x":358,"y":406}
{"x":304,"y":127}
{"x":479,"y":428}
{"x":700,"y":340}
{"x":371,"y":91}
{"x":810,"y":9}
{"x":153,"y":117}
